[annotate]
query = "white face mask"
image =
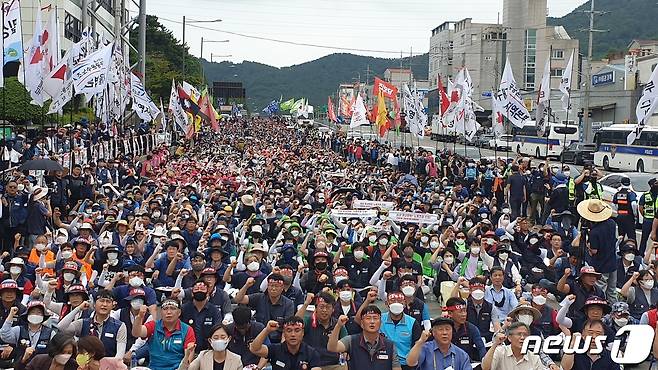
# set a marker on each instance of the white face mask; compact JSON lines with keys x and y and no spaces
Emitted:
{"x":40,"y":247}
{"x":372,"y":238}
{"x":526,"y":319}
{"x":468,"y":224}
{"x":539,"y":300}
{"x":449,"y":260}
{"x":340,"y":278}
{"x":136,"y":281}
{"x":647,"y":284}
{"x":62,"y":358}
{"x":396,"y":308}
{"x":475,"y":250}
{"x":156,"y":215}
{"x":112,"y":256}
{"x":622,"y":321}
{"x":67,"y":254}
{"x":434,"y":244}
{"x":506,"y":211}
{"x":504,"y":221}
{"x":424,"y":239}
{"x":484,"y":216}
{"x":629,"y":257}
{"x":503,"y":256}
{"x":136,"y":303}
{"x":15,"y":270}
{"x":35,"y":319}
{"x":359,"y":254}
{"x":477,"y":294}
{"x":219,"y":345}
{"x":60,"y":240}
{"x":383,"y":241}
{"x":69,"y":276}
{"x":294,"y":233}
{"x":408,"y":291}
{"x":345,"y":295}
{"x":253,"y":266}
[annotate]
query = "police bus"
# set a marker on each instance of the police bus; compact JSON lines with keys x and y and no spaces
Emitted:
{"x":614,"y":152}
{"x":557,"y":137}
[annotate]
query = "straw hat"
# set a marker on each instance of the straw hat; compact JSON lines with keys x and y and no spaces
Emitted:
{"x":39,"y":193}
{"x":594,"y":210}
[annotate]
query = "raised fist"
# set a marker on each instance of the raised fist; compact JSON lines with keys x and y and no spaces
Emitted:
{"x":342,"y":320}
{"x":272,"y":326}
{"x":309,"y":298}
{"x":250,"y":282}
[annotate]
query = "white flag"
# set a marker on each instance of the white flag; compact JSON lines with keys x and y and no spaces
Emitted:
{"x":180,"y":118}
{"x":90,"y":74}
{"x":12,"y":40}
{"x":30,"y":72}
{"x":359,"y":113}
{"x":508,"y":99}
{"x":415,"y":112}
{"x":543,"y":98}
{"x":142,"y":103}
{"x":497,"y":118}
{"x":565,"y":84}
{"x":646,"y":106}
{"x":50,"y":42}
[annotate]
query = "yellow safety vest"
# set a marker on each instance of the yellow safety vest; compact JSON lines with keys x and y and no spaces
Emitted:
{"x":649,"y":206}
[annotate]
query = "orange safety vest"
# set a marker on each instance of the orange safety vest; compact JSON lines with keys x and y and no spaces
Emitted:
{"x":33,"y":258}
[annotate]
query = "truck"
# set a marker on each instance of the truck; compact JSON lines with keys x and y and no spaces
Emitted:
{"x":307,"y":119}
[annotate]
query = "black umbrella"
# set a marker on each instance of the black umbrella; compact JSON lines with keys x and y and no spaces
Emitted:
{"x":41,"y":164}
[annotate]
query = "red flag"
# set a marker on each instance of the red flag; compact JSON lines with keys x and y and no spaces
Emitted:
{"x":389,"y":91}
{"x":444,"y":100}
{"x":330,"y":110}
{"x":207,"y":112}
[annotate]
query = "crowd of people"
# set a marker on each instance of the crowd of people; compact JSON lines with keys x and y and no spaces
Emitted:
{"x":271,"y":245}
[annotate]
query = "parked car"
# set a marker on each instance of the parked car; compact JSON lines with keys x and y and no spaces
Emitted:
{"x":611,"y":183}
{"x":578,"y":153}
{"x":483,"y":140}
{"x":503,"y":142}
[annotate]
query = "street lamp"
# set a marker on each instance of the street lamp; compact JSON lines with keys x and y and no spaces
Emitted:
{"x":219,"y":56}
{"x":202,"y":41}
{"x":193,"y":21}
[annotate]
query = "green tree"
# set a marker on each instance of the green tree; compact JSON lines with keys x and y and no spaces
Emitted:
{"x":15,"y":104}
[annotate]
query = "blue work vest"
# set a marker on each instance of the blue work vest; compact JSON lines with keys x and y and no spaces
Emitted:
{"x":166,"y":353}
{"x":108,"y":336}
{"x":402,"y":333}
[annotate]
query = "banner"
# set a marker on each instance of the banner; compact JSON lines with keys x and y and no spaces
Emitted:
{"x":416,"y":118}
{"x":508,"y":99}
{"x":359,"y":113}
{"x":30,"y":72}
{"x":382,"y":116}
{"x":142,"y":103}
{"x":331,"y":114}
{"x":90,"y":76}
{"x":646,"y":106}
{"x":413,"y":218}
{"x":565,"y":85}
{"x":179,"y":115}
{"x":286,"y":105}
{"x":370,"y":204}
{"x":543,"y":98}
{"x":12,"y":41}
{"x":385,"y":88}
{"x":350,"y":213}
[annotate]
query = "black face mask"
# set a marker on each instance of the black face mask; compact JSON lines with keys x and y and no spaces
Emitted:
{"x":199,"y":296}
{"x":321,"y":266}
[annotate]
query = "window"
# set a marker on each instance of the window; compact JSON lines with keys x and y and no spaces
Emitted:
{"x":557,"y":54}
{"x":568,"y":130}
{"x":107,"y":5}
{"x":557,"y":72}
{"x":474,"y":38}
{"x":72,"y":27}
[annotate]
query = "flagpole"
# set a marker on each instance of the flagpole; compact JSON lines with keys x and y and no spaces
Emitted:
{"x":4,"y":91}
{"x":494,"y":123}
{"x":20,"y":10}
{"x":507,"y":148}
{"x":548,"y":123}
{"x":566,"y":122}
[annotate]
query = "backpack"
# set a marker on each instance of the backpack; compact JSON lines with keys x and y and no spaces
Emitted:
{"x":471,"y":173}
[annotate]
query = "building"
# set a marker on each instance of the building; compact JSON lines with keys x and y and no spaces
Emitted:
{"x":643,"y":48}
{"x":398,"y":76}
{"x":482,"y":48}
{"x":227,"y":93}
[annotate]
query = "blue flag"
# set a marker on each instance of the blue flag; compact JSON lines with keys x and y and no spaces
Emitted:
{"x":272,"y":108}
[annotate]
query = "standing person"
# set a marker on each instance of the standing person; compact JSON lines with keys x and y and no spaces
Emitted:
{"x":38,"y":213}
{"x":626,"y":201}
{"x":292,"y":353}
{"x":13,"y":214}
{"x":516,"y":191}
{"x":440,"y":353}
{"x":538,"y":187}
{"x":368,"y":350}
{"x":168,"y":337}
{"x":601,"y":246}
{"x":647,"y":208}
{"x":509,"y":357}
{"x":217,"y":356}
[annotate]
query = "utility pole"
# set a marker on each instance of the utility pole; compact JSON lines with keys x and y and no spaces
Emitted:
{"x":184,"y":51}
{"x":142,"y":39}
{"x":587,"y":122}
{"x":85,"y":14}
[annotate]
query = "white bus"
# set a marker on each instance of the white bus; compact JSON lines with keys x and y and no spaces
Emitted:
{"x":614,"y":152}
{"x":557,"y":137}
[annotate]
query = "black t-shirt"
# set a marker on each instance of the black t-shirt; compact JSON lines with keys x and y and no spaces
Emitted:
{"x":217,"y":366}
{"x":517,"y":183}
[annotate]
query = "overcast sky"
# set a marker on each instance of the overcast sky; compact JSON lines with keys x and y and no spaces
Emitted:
{"x":375,"y":25}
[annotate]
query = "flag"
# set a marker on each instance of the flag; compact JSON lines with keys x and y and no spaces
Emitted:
{"x":209,"y":114}
{"x":345,"y":107}
{"x":646,"y":106}
{"x":508,"y":98}
{"x":382,"y":115}
{"x":271,"y":108}
{"x":565,"y":85}
{"x":191,"y":92}
{"x":12,"y":41}
{"x":444,"y":100}
{"x":415,"y":112}
{"x":331,"y":114}
{"x":163,"y":118}
{"x":389,"y":91}
{"x":142,"y":103}
{"x":359,"y":113}
{"x":543,"y":98}
{"x":180,"y":118}
{"x":50,"y":42}
{"x":497,"y":118}
{"x":188,"y":101}
{"x":287,"y":105}
{"x":90,"y":75}
{"x":296,"y":106}
{"x":30,"y":72}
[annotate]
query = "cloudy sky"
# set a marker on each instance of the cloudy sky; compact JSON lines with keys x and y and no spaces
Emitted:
{"x":371,"y":27}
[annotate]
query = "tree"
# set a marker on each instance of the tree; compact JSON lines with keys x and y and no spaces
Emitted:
{"x":15,"y":104}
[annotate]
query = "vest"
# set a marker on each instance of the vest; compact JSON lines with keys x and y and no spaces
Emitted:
{"x":471,"y":173}
{"x":640,"y":304}
{"x":649,"y":206}
{"x":481,"y":320}
{"x":464,"y":266}
{"x":462,"y":339}
{"x":572,"y":190}
{"x":166,"y":353}
{"x":108,"y":336}
{"x":507,"y":277}
{"x":402,"y":332}
{"x":623,"y":205}
{"x":359,"y":357}
{"x":124,"y":316}
{"x":545,"y":323}
{"x":596,"y":193}
{"x":41,"y":345}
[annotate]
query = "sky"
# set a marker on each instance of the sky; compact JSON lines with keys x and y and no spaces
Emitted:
{"x":381,"y":28}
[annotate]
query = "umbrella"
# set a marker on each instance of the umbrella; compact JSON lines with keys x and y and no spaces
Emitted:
{"x":407,"y":178}
{"x":41,"y":164}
